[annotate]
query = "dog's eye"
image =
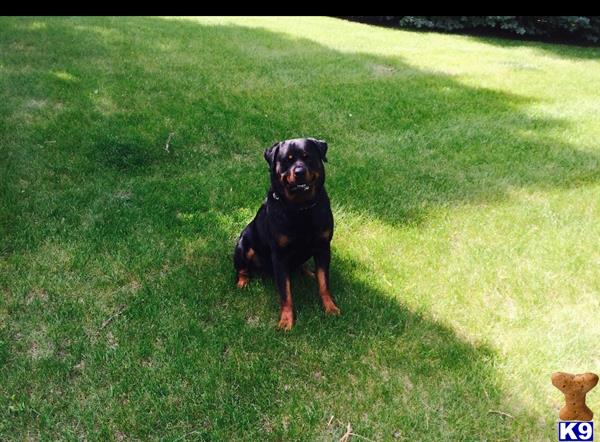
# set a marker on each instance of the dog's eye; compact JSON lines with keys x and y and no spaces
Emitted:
{"x":290,"y":157}
{"x":305,"y":155}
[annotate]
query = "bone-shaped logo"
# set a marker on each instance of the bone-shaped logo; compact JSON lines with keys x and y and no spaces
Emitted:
{"x":575,"y":387}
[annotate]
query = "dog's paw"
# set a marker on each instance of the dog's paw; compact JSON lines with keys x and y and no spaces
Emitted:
{"x":286,"y":321}
{"x":242,"y":282}
{"x":332,"y":309}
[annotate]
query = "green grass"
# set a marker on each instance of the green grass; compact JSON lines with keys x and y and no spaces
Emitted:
{"x":464,"y":175}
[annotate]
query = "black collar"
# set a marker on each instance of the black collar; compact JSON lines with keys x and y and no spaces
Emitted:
{"x":300,"y":209}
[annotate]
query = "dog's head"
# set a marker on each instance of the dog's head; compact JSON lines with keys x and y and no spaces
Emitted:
{"x":297,"y":170}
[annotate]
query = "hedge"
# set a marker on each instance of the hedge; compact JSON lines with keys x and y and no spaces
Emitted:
{"x":562,"y":27}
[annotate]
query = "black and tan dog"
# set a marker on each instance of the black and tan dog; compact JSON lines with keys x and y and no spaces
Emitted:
{"x":293,"y":224}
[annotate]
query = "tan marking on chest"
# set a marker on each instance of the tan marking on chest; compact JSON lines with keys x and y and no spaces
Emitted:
{"x":283,"y":240}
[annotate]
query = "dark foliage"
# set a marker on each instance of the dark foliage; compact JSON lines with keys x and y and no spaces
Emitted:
{"x":562,"y":27}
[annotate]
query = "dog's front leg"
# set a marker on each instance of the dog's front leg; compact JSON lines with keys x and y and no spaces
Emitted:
{"x":322,"y":259}
{"x":284,"y":288}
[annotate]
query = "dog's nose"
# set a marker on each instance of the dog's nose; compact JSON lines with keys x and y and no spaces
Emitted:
{"x":299,"y":171}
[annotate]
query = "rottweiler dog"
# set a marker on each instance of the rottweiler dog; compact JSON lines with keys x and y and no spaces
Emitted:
{"x":293,"y":224}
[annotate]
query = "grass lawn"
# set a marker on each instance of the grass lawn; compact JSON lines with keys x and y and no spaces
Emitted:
{"x":464,"y":175}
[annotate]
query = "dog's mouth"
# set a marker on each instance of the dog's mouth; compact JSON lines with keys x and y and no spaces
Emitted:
{"x":304,"y":187}
{"x":300,"y":184}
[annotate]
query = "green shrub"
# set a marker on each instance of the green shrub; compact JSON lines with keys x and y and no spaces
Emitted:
{"x":562,"y":27}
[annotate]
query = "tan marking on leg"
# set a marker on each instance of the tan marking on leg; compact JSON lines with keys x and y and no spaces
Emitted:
{"x":286,"y":316}
{"x":326,"y":299}
{"x":283,"y":240}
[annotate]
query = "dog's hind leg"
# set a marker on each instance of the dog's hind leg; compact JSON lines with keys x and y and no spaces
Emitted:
{"x":242,"y":278}
{"x":243,"y":258}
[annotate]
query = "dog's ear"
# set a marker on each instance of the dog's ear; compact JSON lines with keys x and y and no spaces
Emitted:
{"x":271,"y":154}
{"x":322,"y":148}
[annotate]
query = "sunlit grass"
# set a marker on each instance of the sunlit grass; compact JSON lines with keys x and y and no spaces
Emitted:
{"x":464,"y":178}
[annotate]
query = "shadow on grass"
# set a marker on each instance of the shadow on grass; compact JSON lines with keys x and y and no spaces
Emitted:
{"x":93,"y":120}
{"x":403,"y":141}
{"x":381,"y":366}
